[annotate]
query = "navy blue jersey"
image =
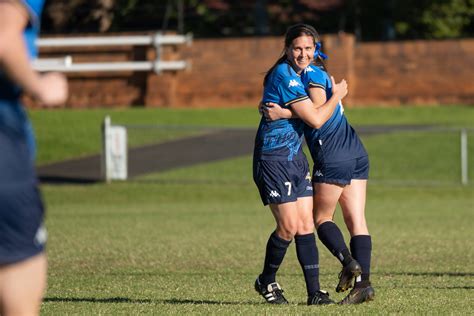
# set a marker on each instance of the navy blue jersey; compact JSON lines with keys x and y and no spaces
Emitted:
{"x":281,"y":139}
{"x":336,"y":140}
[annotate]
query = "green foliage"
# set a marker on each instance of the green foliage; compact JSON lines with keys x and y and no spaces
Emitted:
{"x":448,"y":19}
{"x":368,"y":19}
{"x":126,"y":6}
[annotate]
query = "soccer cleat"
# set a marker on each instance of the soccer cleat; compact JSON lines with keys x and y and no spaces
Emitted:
{"x":359,"y":295}
{"x":348,"y":273}
{"x":320,"y":298}
{"x":272,"y":293}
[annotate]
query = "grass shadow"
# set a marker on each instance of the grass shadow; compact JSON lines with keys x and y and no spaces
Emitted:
{"x":177,"y":301}
{"x":173,"y":301}
{"x":432,"y":274}
{"x":452,"y":287}
{"x":96,"y":300}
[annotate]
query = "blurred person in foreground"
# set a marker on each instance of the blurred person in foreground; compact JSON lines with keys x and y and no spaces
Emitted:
{"x":281,"y":170}
{"x":23,"y":263}
{"x":340,"y":173}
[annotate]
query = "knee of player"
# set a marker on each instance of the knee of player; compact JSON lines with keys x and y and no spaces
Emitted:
{"x":287,"y":231}
{"x":306,"y":227}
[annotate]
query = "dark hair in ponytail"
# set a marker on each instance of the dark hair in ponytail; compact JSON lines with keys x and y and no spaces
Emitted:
{"x":293,"y":32}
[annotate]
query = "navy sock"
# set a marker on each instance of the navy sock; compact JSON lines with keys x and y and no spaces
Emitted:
{"x":361,"y":248}
{"x":308,"y":256}
{"x":275,"y":252}
{"x":331,"y":236}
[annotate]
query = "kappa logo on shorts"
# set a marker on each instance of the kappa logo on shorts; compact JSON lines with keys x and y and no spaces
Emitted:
{"x":318,"y":173}
{"x":41,"y":235}
{"x":274,"y":193}
{"x":308,"y":177}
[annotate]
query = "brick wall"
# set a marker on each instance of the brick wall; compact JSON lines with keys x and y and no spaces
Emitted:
{"x":417,"y":72}
{"x":229,"y":72}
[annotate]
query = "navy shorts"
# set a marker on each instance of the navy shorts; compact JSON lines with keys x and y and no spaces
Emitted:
{"x":341,"y":172}
{"x":22,"y":234}
{"x":282,"y":181}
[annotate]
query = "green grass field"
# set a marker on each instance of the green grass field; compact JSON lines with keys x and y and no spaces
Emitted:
{"x":191,"y":240}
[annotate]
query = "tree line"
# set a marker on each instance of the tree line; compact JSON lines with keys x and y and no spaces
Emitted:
{"x":369,"y":20}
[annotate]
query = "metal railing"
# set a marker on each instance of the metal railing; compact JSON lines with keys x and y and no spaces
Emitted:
{"x":158,"y":40}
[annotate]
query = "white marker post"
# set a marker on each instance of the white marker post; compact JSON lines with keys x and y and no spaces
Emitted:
{"x":114,"y":151}
{"x":464,"y":162}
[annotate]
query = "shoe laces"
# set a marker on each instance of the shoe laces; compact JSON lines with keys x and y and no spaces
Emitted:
{"x":276,"y":290}
{"x":320,"y":296}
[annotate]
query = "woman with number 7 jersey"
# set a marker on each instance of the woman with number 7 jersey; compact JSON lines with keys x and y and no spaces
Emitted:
{"x":340,"y":173}
{"x":280,"y":168}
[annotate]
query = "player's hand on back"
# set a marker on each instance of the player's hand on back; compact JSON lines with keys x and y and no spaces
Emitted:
{"x":339,"y":89}
{"x":273,"y":111}
{"x":53,"y":89}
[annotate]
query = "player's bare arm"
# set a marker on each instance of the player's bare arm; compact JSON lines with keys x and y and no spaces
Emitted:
{"x":314,"y":114}
{"x":49,"y":89}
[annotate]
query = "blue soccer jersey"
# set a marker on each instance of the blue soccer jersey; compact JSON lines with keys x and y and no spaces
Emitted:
{"x":34,"y":8}
{"x":336,"y":140}
{"x":281,"y":140}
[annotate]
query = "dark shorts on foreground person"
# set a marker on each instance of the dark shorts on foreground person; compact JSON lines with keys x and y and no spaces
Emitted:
{"x":282,"y":181}
{"x":22,"y":234}
{"x":341,"y":172}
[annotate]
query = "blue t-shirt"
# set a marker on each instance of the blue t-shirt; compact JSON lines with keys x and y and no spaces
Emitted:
{"x":336,"y":140}
{"x":13,"y":118}
{"x":34,"y":7}
{"x":281,"y":139}
{"x":8,"y":90}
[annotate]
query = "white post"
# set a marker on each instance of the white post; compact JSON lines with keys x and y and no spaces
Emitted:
{"x":105,"y":132}
{"x":114,"y":151}
{"x":464,"y":163}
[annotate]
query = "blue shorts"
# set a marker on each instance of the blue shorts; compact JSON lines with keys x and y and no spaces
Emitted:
{"x":341,"y":172}
{"x":282,"y":181}
{"x":22,"y":234}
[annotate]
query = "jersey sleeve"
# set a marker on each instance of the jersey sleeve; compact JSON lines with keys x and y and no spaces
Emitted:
{"x":291,"y":90}
{"x":314,"y":77}
{"x":30,"y":34}
{"x":34,"y":8}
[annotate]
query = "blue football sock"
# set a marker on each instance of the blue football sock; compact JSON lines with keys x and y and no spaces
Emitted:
{"x":361,"y":248}
{"x":331,"y":236}
{"x":308,"y":256}
{"x":275,"y":252}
